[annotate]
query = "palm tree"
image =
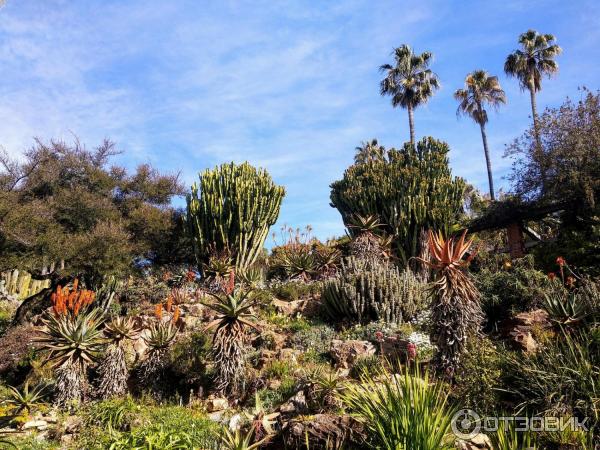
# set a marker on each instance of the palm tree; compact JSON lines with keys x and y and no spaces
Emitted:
{"x":409,"y":82}
{"x":480,"y":88}
{"x":529,"y":64}
{"x":369,"y":151}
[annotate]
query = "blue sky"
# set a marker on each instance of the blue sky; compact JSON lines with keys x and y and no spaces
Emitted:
{"x":290,"y":86}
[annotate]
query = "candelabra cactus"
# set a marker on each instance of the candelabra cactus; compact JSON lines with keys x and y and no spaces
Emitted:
{"x":370,"y":290}
{"x":411,"y":191}
{"x":231,"y":210}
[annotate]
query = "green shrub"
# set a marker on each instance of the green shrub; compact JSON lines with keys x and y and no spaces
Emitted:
{"x":402,"y":411}
{"x":316,"y":338}
{"x":563,"y":377}
{"x":505,"y":291}
{"x":188,"y":360}
{"x":366,"y":365}
{"x":478,"y":377}
{"x":367,"y":290}
{"x":294,"y":290}
{"x":124,"y":424}
{"x":271,"y":398}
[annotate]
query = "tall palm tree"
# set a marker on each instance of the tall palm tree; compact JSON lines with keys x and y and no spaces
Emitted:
{"x":480,"y":89}
{"x":529,"y":64}
{"x":369,"y":151}
{"x":409,"y":82}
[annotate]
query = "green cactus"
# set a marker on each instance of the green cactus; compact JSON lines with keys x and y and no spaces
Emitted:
{"x":409,"y":191}
{"x":232,"y":210}
{"x":367,"y":290}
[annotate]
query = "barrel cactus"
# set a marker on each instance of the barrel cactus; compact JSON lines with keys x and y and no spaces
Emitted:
{"x":410,"y":190}
{"x":367,"y":290}
{"x":231,"y":210}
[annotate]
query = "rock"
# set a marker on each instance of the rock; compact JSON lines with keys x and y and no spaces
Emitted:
{"x":477,"y":442}
{"x":394,"y":347}
{"x":37,"y":424}
{"x":295,"y":405}
{"x":73,"y":424}
{"x":274,"y":384}
{"x":345,"y":353}
{"x":519,"y":329}
{"x":290,"y":308}
{"x":216,"y":416}
{"x":235,"y":422}
{"x":288,"y":354}
{"x":214,"y":404}
{"x":323,"y":431}
{"x":525,"y":340}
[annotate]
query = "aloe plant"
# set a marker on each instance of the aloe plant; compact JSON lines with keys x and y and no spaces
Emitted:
{"x":72,"y":343}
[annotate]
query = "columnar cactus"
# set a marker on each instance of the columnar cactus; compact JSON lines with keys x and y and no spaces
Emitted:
{"x":409,"y":191}
{"x":232,"y":210}
{"x":369,"y":290}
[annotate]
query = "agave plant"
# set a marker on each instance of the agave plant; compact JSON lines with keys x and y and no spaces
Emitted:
{"x":403,"y":411}
{"x":160,"y":336}
{"x":113,"y":372}
{"x":575,"y":306}
{"x":365,"y":224}
{"x":234,"y":317}
{"x":238,"y":441}
{"x":72,"y":343}
{"x":253,"y":277}
{"x":262,"y":423}
{"x":456,"y":311}
{"x":26,"y":400}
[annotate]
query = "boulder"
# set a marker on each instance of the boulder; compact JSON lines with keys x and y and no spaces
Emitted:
{"x":519,"y":329}
{"x":323,"y":431}
{"x":295,"y":405}
{"x":37,"y":424}
{"x":345,"y":353}
{"x":214,"y":404}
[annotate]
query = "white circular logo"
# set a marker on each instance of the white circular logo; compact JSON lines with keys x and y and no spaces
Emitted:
{"x":466,"y":424}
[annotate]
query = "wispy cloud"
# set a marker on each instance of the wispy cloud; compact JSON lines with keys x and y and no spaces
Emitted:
{"x":291,"y":86}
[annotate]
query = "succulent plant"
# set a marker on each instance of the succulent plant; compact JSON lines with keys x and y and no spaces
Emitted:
{"x":234,"y":317}
{"x":232,"y":208}
{"x":410,"y":191}
{"x":113,"y":372}
{"x":161,"y":334}
{"x":72,"y":343}
{"x":27,"y":399}
{"x":456,"y":311}
{"x":367,"y":290}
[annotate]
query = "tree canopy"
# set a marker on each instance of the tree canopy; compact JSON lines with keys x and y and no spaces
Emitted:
{"x":64,"y":204}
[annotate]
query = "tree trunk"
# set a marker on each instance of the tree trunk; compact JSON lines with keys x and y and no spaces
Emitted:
{"x":539,"y":156}
{"x":488,"y":161}
{"x":411,"y":124}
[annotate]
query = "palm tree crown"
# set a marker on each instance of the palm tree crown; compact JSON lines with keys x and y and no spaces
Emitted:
{"x":369,"y":151}
{"x":533,"y":60}
{"x":410,"y":82}
{"x":480,"y":89}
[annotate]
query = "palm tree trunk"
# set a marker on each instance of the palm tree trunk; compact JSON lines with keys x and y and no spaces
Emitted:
{"x":411,"y":124}
{"x":539,"y":156}
{"x":488,"y":162}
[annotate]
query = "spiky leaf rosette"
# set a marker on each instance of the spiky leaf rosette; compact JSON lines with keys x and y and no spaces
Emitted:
{"x":73,"y":340}
{"x":234,"y":317}
{"x":456,"y":311}
{"x":120,"y":328}
{"x":152,"y":370}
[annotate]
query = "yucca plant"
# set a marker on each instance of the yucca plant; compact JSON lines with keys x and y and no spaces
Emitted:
{"x":72,"y":343}
{"x":113,"y":372}
{"x":234,"y":317}
{"x":403,"y":411}
{"x":455,"y":312}
{"x":26,"y":400}
{"x":161,"y":334}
